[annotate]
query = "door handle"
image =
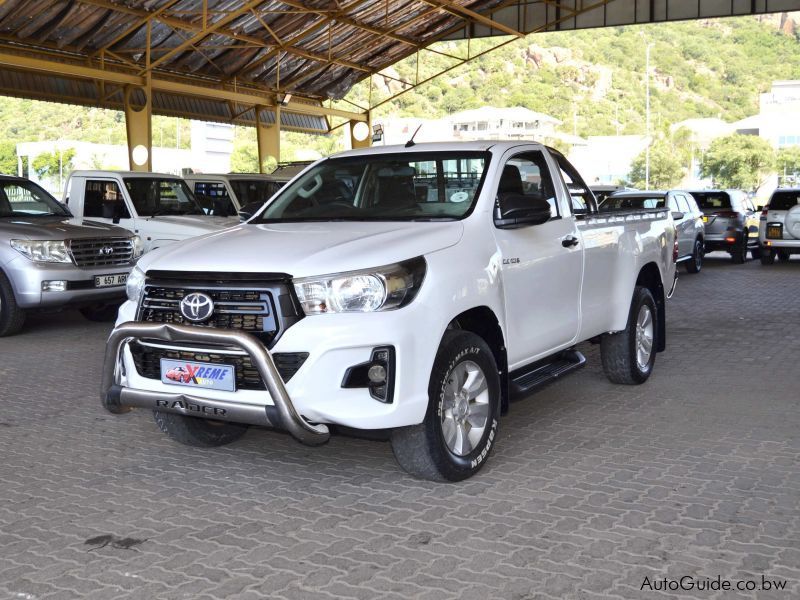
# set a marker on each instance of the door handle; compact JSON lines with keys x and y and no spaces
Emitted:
{"x":570,"y":241}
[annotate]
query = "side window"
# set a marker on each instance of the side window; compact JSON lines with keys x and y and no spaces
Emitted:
{"x":581,"y":197}
{"x":527,"y":175}
{"x":103,"y":199}
{"x":672,"y":202}
{"x":213,"y":197}
{"x":683,"y":204}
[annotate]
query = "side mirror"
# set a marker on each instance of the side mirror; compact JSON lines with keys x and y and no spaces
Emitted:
{"x":515,"y":210}
{"x":248,"y":210}
{"x":677,"y":215}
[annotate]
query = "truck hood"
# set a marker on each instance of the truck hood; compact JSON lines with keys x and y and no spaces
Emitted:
{"x":181,"y":227}
{"x":58,"y":228}
{"x":305,"y":249}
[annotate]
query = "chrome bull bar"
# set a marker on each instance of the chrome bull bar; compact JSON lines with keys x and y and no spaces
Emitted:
{"x":118,"y":399}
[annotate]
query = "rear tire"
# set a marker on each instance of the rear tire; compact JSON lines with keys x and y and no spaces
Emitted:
{"x":739,"y":252}
{"x":755,"y":252}
{"x":197,"y":432}
{"x":100,"y":313}
{"x":695,"y":264}
{"x":629,"y":355}
{"x":784,"y":256}
{"x":767,"y":257}
{"x":12,"y":317}
{"x":463,"y":399}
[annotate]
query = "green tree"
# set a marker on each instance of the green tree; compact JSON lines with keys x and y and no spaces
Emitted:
{"x":788,"y":162}
{"x":8,"y":158}
{"x":666,"y":167}
{"x":738,"y":161}
{"x":50,"y":164}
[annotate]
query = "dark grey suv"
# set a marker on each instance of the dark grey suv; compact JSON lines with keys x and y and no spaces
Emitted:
{"x":731,"y":222}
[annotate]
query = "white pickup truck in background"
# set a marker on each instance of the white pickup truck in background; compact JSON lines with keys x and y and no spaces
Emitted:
{"x":413,"y":290}
{"x":159,"y":208}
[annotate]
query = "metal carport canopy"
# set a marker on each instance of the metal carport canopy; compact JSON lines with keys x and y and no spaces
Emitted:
{"x":236,"y":60}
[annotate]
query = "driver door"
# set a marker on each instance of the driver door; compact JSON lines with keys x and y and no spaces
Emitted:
{"x":542,"y":265}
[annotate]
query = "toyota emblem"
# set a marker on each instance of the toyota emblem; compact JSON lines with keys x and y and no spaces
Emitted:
{"x":106,"y":250}
{"x":197,"y":307}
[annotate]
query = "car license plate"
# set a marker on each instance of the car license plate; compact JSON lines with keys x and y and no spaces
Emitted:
{"x":774,"y":231}
{"x":102,"y":281}
{"x":198,"y":374}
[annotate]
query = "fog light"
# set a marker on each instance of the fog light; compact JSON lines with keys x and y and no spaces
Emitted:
{"x":54,"y":286}
{"x":377,"y":374}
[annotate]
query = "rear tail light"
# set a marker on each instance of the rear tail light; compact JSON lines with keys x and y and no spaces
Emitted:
{"x":765,"y":212}
{"x":675,"y":249}
{"x":730,"y":239}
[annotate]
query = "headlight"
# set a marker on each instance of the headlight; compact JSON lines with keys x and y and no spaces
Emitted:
{"x":135,"y":285}
{"x":43,"y":251}
{"x":382,"y":288}
{"x":137,"y":246}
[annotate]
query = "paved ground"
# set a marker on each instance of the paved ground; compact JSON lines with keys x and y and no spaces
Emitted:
{"x":591,"y":489}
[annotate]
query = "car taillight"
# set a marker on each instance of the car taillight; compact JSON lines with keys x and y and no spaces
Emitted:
{"x":675,"y":249}
{"x":765,"y":212}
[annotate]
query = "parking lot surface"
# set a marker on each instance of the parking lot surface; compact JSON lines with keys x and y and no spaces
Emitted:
{"x":591,"y":489}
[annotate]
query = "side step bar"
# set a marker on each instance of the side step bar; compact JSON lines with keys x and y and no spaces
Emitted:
{"x":526,"y":380}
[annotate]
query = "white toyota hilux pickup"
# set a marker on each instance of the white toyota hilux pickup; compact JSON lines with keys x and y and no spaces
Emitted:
{"x":414,"y":290}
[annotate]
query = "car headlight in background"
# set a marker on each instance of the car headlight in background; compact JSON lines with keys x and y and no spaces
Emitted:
{"x":135,"y":284}
{"x":382,"y":288}
{"x":43,"y":251}
{"x":137,"y":247}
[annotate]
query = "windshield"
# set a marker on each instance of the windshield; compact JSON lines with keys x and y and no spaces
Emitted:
{"x":254,"y":190}
{"x":26,"y":199}
{"x":405,"y":186}
{"x":632,"y":202}
{"x":154,"y":196}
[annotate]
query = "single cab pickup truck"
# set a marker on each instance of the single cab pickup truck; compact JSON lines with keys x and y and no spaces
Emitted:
{"x":158,"y":208}
{"x":414,"y":290}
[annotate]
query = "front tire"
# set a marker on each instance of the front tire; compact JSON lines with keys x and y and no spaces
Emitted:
{"x":197,"y":432}
{"x":629,"y":355}
{"x":454,"y":440}
{"x":12,"y":317}
{"x":694,"y":264}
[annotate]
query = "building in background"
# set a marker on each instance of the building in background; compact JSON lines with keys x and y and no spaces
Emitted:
{"x":607,"y":159}
{"x":778,"y":119}
{"x":514,"y":123}
{"x":212,"y":145}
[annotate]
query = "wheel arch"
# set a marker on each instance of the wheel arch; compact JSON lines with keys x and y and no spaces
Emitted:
{"x":483,"y":322}
{"x":650,"y":277}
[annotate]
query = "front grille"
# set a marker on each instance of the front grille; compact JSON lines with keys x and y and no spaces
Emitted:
{"x":250,"y":310}
{"x":147,"y":359}
{"x":101,"y":252}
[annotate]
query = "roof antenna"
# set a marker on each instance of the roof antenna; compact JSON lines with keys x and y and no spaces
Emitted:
{"x":410,"y":142}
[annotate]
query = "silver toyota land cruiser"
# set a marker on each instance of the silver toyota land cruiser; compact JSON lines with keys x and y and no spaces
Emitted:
{"x":49,"y":260}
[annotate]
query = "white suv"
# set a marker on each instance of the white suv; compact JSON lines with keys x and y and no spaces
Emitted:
{"x":779,"y":228}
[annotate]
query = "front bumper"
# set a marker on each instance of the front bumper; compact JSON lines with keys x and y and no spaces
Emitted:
{"x":26,"y":278}
{"x":117,"y":398}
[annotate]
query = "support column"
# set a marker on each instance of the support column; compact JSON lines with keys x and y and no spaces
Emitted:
{"x":359,"y":136}
{"x":268,"y":137}
{"x":139,"y":126}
